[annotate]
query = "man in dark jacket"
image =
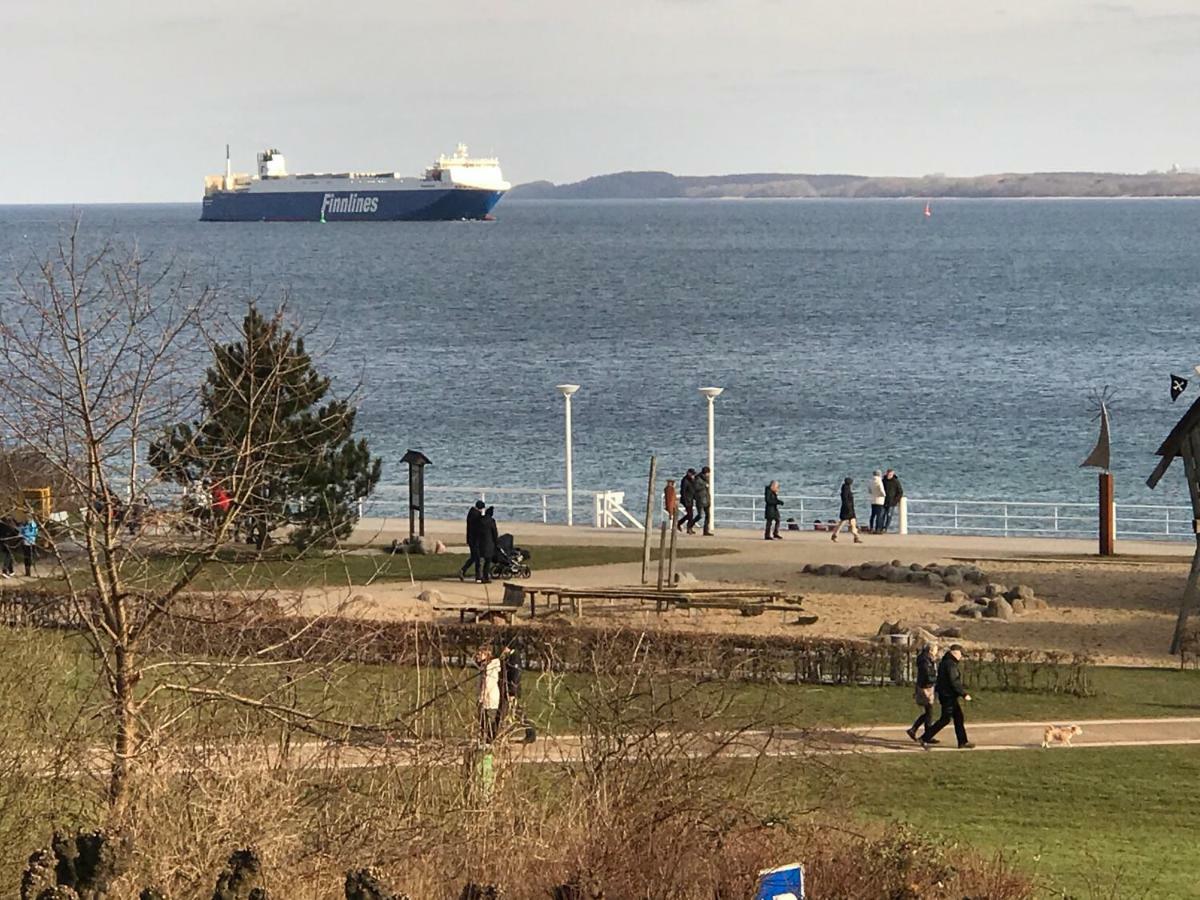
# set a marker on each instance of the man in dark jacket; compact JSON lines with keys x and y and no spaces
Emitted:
{"x":687,"y":497}
{"x":892,"y":492}
{"x":846,"y":514}
{"x":474,"y":520}
{"x":923,"y":690}
{"x":772,"y":503}
{"x":10,"y":539}
{"x":489,"y":540}
{"x":951,"y":694}
{"x":703,"y":501}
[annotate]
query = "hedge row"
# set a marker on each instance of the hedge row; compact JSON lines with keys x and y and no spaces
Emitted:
{"x":209,"y":629}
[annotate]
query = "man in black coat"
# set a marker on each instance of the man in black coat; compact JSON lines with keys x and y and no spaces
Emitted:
{"x":923,"y":690}
{"x":951,"y":694}
{"x":10,"y":539}
{"x":772,"y":503}
{"x":489,"y":540}
{"x":704,"y":501}
{"x":893,"y":491}
{"x":474,"y":522}
{"x":687,"y":499}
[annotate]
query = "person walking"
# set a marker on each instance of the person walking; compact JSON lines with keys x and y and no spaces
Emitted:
{"x":893,"y":492}
{"x":846,"y":514}
{"x":923,"y":690}
{"x":951,"y":695}
{"x":687,"y":496}
{"x":703,"y":501}
{"x":474,"y":520}
{"x":771,"y":504}
{"x":489,"y":540}
{"x":29,"y":538}
{"x":875,"y":525}
{"x":10,"y":538}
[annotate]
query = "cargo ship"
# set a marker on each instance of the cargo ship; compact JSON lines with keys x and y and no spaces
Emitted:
{"x":454,"y":187}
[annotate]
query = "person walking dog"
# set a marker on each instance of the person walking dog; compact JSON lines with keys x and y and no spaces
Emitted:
{"x":951,"y":695}
{"x":846,"y":513}
{"x":771,"y":504}
{"x":923,"y":690}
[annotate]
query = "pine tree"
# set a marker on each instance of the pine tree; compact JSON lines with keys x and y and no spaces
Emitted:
{"x":271,"y":437}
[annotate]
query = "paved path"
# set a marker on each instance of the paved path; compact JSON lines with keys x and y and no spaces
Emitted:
{"x":565,"y":749}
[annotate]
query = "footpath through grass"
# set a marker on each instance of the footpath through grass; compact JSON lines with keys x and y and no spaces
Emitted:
{"x":1088,"y":821}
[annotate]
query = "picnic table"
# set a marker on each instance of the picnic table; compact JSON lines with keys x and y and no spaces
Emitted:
{"x":749,"y":601}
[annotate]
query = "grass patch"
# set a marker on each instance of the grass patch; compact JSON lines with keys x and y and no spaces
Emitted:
{"x":1081,"y":820}
{"x":286,"y":569}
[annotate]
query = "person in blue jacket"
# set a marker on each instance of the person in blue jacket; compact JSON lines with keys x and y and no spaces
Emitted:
{"x":29,"y":537}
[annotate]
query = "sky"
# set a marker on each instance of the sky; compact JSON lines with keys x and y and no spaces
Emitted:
{"x":134,"y":100}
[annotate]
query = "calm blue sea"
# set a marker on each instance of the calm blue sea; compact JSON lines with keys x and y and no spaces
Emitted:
{"x":848,"y":335}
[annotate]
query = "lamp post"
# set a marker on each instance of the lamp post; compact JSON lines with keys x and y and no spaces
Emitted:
{"x":711,"y":393}
{"x":567,"y":390}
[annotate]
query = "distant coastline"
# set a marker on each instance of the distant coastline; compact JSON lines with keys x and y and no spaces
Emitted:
{"x":664,"y":185}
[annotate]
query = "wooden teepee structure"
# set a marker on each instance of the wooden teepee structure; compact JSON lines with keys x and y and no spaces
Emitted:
{"x":1184,"y":441}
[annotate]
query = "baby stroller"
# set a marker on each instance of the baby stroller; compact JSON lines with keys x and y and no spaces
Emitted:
{"x":509,"y":559}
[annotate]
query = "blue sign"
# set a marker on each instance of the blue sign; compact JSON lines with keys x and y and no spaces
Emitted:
{"x":784,"y":883}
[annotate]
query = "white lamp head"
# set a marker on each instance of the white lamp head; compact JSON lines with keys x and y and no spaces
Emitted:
{"x":567,"y":389}
{"x":711,"y":392}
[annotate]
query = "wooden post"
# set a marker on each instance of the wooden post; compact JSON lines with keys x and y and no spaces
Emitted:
{"x":649,"y":519}
{"x":662,"y":554}
{"x":1108,"y":515}
{"x":671,"y":558}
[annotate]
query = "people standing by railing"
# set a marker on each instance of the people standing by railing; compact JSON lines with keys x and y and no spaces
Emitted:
{"x":875,"y":524}
{"x":893,"y":493}
{"x":771,"y":504}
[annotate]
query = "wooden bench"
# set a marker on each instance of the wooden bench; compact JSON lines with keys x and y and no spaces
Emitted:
{"x":751,"y":601}
{"x":478,"y":612}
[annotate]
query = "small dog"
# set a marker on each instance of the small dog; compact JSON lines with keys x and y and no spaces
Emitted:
{"x":1060,"y":734}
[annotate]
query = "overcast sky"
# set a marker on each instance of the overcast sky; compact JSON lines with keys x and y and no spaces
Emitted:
{"x":134,"y":100}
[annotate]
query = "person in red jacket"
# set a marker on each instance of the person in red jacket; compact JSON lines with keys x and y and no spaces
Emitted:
{"x":221,"y":502}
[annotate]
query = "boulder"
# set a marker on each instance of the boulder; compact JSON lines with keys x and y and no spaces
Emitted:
{"x":686,"y":578}
{"x":999,"y":608}
{"x":950,"y":632}
{"x":959,"y":597}
{"x":831,"y":569}
{"x":977,"y":614}
{"x":897,"y":564}
{"x":974,"y":576}
{"x":1018,"y":606}
{"x":876,"y":564}
{"x":869,"y":573}
{"x":1036,"y":603}
{"x":1020,"y":592}
{"x":852,"y":572}
{"x":994,"y":590}
{"x":967,"y":609}
{"x":430,"y":595}
{"x":952,"y":577}
{"x":921,"y":636}
{"x":896,"y":575}
{"x":808,"y":569}
{"x":917,"y":567}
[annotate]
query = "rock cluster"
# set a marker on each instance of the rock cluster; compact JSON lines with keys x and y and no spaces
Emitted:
{"x":996,"y":602}
{"x":916,"y":635}
{"x":896,"y":572}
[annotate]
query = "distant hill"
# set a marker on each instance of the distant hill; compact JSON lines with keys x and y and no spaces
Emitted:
{"x":664,"y":185}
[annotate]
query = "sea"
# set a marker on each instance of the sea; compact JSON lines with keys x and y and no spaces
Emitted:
{"x":965,"y":349}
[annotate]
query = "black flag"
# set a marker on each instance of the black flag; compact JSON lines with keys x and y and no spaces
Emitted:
{"x":1178,"y":386}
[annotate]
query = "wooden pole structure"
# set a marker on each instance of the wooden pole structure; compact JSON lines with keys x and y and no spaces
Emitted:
{"x":671,"y":557}
{"x":1190,"y":451}
{"x":1108,"y":516}
{"x":662,"y":554}
{"x":649,"y":523}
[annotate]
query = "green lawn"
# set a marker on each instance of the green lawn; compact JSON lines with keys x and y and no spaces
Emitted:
{"x":284,"y":569}
{"x":1079,"y":819}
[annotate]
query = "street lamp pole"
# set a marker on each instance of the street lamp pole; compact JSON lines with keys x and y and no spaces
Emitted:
{"x":711,"y":393}
{"x":567,"y":390}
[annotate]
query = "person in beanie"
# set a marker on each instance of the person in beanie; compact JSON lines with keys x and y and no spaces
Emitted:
{"x":846,"y":513}
{"x":474,"y":523}
{"x":892,"y":494}
{"x":772,"y":503}
{"x":923,"y":690}
{"x":951,"y":695}
{"x":875,"y":525}
{"x":703,"y":496}
{"x":687,"y":496}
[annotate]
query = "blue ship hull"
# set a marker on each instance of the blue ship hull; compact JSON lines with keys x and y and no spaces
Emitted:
{"x":360,"y":205}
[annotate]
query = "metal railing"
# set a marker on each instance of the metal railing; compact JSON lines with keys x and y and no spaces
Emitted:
{"x":1005,"y":518}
